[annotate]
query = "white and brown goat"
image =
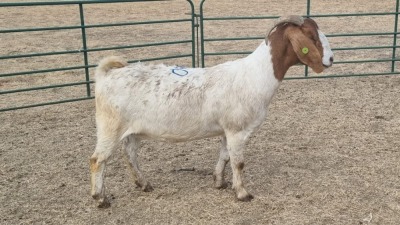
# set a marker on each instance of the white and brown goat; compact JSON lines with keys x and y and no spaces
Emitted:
{"x":167,"y":103}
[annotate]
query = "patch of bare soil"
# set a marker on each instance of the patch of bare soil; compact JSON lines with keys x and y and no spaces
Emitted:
{"x":327,"y":154}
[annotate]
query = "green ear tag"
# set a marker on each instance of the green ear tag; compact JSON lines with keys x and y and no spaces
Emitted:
{"x":305,"y":50}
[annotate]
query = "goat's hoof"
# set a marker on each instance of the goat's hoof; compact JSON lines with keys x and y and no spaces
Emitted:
{"x":245,"y":198}
{"x":95,"y":196}
{"x":221,"y":185}
{"x":147,"y":188}
{"x":103,"y":203}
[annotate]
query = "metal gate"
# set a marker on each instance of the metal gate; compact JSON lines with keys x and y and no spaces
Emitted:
{"x":194,"y":48}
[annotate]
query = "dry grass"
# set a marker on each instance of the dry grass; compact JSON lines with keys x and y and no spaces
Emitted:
{"x":327,"y":154}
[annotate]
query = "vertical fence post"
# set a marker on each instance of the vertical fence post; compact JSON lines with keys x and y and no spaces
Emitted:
{"x":202,"y":33}
{"x":197,"y":40}
{"x":84,"y":48}
{"x":396,"y":17}
{"x":308,"y":15}
{"x":192,"y":14}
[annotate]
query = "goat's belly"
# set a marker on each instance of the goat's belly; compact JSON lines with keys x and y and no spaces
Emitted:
{"x":178,"y":134}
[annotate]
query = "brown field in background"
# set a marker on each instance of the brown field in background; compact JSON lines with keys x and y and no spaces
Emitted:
{"x":328,"y":152}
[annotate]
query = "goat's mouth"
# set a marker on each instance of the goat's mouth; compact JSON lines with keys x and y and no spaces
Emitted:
{"x":327,"y":63}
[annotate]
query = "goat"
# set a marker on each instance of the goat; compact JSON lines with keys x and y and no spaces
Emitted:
{"x":166,"y":103}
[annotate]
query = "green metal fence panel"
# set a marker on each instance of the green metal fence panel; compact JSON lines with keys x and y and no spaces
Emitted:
{"x":205,"y":39}
{"x":196,"y":53}
{"x":188,"y":17}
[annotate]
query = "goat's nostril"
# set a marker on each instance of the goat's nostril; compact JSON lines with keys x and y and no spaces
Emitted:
{"x":331,"y":59}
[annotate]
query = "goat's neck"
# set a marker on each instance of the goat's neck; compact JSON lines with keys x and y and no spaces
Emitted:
{"x":262,"y":58}
{"x":282,"y":56}
{"x":259,"y":76}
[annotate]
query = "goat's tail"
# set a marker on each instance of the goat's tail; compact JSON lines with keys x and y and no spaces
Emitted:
{"x":109,"y":63}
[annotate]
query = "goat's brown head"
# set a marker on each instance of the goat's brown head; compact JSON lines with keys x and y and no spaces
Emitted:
{"x":294,"y":39}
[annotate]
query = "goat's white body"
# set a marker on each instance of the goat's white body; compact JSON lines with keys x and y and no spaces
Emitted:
{"x":159,"y":102}
{"x":153,"y":102}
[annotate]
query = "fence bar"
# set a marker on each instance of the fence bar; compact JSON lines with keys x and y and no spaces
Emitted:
{"x":39,"y":54}
{"x":42,"y":71}
{"x":13,"y":4}
{"x":88,"y":66}
{"x":307,"y":15}
{"x":343,"y":75}
{"x":365,"y":47}
{"x":160,"y":58}
{"x":94,"y":49}
{"x":138,"y":46}
{"x":40,"y":29}
{"x":152,"y":22}
{"x":354,"y":14}
{"x":241,"y":17}
{"x":362,"y":34}
{"x":137,"y":23}
{"x":328,"y":35}
{"x":228,"y":53}
{"x":46,"y":87}
{"x":234,"y":39}
{"x":93,"y":26}
{"x":168,"y":57}
{"x":369,"y":61}
{"x":46,"y":103}
{"x":333,"y":49}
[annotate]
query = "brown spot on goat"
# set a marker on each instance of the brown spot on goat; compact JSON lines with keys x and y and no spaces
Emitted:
{"x":93,"y":164}
{"x":109,"y":63}
{"x":241,"y":165}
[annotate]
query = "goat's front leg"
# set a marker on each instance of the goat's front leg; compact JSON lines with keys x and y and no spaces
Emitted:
{"x":131,"y":145}
{"x":235,"y":144}
{"x":219,"y":180}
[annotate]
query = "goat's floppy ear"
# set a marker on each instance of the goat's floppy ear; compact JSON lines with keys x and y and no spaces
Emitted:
{"x":305,"y":49}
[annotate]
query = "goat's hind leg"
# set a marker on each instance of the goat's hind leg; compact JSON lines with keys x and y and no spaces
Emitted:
{"x":106,"y":144}
{"x":131,"y":145}
{"x":219,"y":180}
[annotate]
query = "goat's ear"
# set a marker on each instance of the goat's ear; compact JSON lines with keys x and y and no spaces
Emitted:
{"x":305,"y":49}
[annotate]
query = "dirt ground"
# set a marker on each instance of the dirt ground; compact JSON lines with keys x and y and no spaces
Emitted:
{"x":328,"y":152}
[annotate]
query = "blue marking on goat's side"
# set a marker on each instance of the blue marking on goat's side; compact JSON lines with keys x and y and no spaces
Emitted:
{"x":180,"y":71}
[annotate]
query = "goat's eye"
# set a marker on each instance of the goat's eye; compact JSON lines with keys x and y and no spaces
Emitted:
{"x":315,"y":39}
